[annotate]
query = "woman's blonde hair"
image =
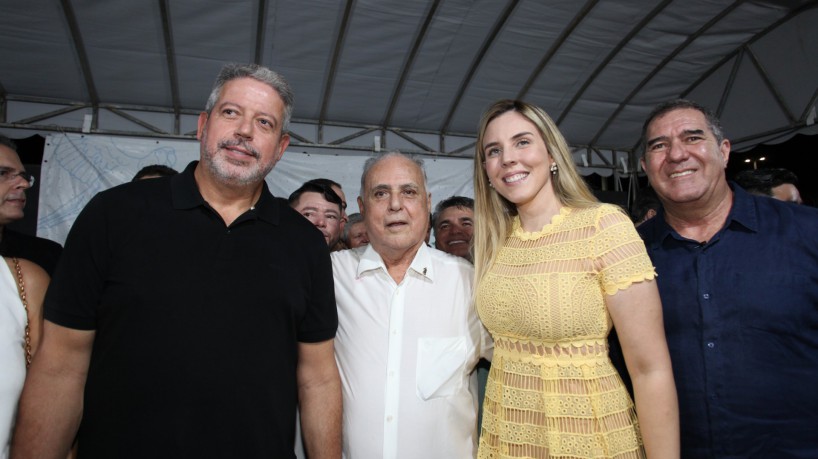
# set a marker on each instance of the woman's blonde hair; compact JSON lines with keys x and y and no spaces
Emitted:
{"x":494,"y":213}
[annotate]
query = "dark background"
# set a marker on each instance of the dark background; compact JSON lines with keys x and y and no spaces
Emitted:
{"x":799,"y":155}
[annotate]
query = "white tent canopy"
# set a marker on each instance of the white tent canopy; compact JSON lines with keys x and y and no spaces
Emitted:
{"x":414,"y":74}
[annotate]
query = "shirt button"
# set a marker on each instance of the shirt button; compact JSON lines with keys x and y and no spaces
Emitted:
{"x":394,"y":332}
{"x":706,"y":296}
{"x":391,"y":374}
{"x":711,"y":345}
{"x":389,"y":419}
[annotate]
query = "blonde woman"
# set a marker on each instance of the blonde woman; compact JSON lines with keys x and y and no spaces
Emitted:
{"x":555,"y":269}
{"x":17,"y":320}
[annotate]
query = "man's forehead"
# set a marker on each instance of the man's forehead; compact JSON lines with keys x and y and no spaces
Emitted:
{"x":452,"y":209}
{"x":457,"y":212}
{"x":246,"y":91}
{"x":396,"y":184}
{"x":688,"y":117}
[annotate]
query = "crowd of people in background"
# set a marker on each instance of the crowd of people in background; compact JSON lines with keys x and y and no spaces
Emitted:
{"x":194,"y":314}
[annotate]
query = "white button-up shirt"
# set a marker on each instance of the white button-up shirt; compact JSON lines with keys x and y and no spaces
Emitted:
{"x":406,"y":353}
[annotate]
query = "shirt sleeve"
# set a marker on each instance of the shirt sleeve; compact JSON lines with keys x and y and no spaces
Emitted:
{"x":77,"y":285}
{"x":321,"y":320}
{"x":619,"y":251}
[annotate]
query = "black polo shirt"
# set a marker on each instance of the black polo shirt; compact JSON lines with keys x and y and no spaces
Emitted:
{"x":197,"y":323}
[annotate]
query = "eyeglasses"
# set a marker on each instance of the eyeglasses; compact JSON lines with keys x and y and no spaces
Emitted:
{"x":8,"y":174}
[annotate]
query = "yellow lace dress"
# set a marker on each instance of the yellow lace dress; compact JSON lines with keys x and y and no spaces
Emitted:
{"x":552,"y":391}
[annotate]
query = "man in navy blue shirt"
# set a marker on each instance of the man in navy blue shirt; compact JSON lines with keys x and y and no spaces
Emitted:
{"x":738,"y":277}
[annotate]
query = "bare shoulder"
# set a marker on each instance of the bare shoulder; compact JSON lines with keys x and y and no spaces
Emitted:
{"x":35,"y":277}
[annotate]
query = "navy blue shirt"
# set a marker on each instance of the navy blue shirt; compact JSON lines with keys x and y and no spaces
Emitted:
{"x":741,"y":318}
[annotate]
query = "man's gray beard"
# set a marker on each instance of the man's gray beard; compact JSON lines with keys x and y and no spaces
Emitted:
{"x":220,"y":168}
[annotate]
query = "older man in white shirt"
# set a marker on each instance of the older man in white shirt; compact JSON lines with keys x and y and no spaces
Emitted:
{"x":408,"y":336}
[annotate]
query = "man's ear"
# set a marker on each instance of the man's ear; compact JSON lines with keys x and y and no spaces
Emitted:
{"x":201,"y":125}
{"x":282,"y":145}
{"x":725,"y":151}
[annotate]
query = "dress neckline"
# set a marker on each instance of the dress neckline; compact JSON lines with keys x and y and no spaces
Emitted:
{"x":518,"y":231}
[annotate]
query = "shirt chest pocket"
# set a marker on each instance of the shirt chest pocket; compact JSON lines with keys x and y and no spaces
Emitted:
{"x":440,"y":366}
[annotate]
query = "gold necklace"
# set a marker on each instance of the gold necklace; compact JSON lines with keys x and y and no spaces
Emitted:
{"x":22,"y":290}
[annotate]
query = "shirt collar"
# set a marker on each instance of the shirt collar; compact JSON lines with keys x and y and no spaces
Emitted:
{"x":185,"y":195}
{"x":421,"y":264}
{"x":745,"y":209}
{"x":743,"y":212}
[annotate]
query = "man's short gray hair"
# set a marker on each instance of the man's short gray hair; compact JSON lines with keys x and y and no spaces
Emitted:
{"x":259,"y":73}
{"x":371,"y":162}
{"x":660,"y":110}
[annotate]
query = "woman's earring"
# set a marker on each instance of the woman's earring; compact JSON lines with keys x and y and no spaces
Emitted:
{"x":491,"y":185}
{"x":553,"y":168}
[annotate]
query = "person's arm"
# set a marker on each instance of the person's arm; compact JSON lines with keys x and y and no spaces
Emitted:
{"x":637,"y":315}
{"x":51,"y":402}
{"x":319,"y":393}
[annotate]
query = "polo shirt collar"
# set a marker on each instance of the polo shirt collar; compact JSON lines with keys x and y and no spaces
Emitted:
{"x":185,"y":195}
{"x":421,"y":264}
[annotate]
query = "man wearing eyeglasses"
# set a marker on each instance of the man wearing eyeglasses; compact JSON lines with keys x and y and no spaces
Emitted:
{"x":14,"y":181}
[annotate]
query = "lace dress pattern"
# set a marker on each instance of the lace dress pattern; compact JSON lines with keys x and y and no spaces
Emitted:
{"x":552,"y":390}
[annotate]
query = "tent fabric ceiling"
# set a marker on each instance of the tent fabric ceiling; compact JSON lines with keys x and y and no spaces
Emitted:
{"x":597,"y":67}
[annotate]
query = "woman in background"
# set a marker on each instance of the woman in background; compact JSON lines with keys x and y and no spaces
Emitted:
{"x":20,"y":330}
{"x":555,"y":269}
